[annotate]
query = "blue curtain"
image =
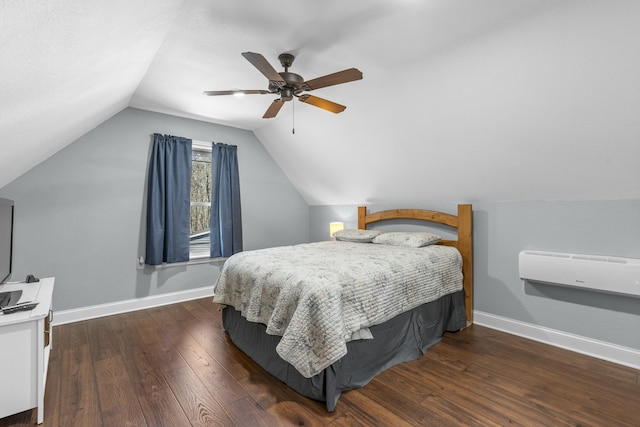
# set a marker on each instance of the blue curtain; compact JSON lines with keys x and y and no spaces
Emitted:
{"x":168,"y":200}
{"x":226,"y":218}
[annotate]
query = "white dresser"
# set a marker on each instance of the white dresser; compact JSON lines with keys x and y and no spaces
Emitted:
{"x":25,"y":342}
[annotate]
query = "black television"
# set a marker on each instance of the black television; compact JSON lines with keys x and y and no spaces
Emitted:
{"x":6,"y":239}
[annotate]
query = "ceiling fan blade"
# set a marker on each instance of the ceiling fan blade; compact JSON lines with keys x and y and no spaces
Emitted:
{"x":234,"y":92}
{"x":273,"y":109}
{"x":322,"y":103}
{"x":340,"y":77}
{"x":259,"y":61}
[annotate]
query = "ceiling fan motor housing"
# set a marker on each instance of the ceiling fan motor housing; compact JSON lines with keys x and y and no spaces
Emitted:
{"x":292,"y":87}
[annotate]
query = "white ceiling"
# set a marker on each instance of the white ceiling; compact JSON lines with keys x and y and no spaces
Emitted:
{"x":461,"y":100}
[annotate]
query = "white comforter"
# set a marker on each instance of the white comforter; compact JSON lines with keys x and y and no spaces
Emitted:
{"x":316,"y":295}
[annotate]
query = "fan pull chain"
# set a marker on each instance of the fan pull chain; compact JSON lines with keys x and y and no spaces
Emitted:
{"x":293,"y":117}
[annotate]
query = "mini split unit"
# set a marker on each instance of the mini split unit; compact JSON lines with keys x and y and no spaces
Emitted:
{"x":597,"y":273}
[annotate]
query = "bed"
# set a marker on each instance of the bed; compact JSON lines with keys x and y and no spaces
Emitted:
{"x":327,"y":317}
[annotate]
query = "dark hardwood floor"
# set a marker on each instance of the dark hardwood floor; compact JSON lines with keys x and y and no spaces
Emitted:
{"x":174,"y":366}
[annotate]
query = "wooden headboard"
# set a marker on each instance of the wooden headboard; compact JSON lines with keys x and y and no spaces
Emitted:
{"x":463,"y":222}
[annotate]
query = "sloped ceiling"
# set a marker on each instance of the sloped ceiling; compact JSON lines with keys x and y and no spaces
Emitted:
{"x":461,"y":100}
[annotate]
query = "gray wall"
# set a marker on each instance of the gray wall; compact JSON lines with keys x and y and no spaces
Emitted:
{"x":80,"y":215}
{"x":502,"y":230}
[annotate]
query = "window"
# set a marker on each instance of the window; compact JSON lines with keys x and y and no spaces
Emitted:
{"x":184,"y":196}
{"x":201,"y":181}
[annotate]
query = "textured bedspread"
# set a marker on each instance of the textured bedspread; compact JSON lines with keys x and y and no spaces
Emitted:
{"x":316,"y":295}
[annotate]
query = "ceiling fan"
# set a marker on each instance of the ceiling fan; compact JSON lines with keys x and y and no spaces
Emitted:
{"x":288,"y":85}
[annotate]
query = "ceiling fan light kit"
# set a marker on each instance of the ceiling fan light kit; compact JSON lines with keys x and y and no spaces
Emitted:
{"x":289,"y":85}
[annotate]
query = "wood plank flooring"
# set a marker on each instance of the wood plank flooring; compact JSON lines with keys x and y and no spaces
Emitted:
{"x":174,"y":366}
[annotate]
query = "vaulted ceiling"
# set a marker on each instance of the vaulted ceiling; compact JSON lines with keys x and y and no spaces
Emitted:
{"x":464,"y":100}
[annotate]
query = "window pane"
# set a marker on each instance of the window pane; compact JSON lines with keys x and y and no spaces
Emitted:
{"x":200,"y":202}
{"x":200,"y":219}
{"x":201,"y":181}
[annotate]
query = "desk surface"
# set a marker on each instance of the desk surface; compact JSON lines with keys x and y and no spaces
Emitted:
{"x":41,"y":292}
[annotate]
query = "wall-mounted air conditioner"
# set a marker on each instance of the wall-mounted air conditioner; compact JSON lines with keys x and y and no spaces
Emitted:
{"x":598,"y":273}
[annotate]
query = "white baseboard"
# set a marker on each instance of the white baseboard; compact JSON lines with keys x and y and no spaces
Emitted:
{"x":94,"y":311}
{"x":602,"y":350}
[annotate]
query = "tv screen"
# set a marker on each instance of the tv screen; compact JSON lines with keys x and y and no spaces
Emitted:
{"x":6,"y":239}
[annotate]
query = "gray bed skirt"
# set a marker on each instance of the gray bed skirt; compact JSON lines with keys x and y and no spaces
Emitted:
{"x":403,"y":338}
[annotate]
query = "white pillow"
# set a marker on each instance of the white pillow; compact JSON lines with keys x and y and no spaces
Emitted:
{"x":356,"y":235}
{"x":407,"y":239}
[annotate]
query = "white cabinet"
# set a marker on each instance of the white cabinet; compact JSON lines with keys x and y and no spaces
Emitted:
{"x":25,"y":342}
